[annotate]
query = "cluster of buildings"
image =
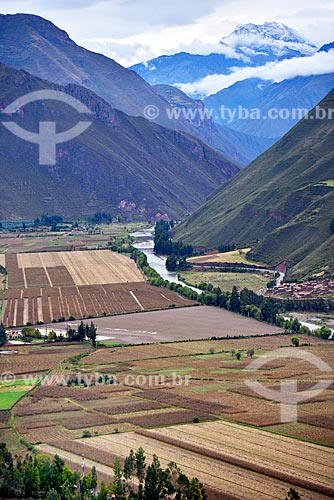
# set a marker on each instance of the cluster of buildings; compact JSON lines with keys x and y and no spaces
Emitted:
{"x":313,"y":289}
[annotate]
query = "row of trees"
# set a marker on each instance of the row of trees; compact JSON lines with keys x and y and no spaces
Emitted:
{"x":228,"y":247}
{"x":36,"y":476}
{"x":165,"y":246}
{"x":102,"y":218}
{"x":314,"y":305}
{"x":48,"y":220}
{"x":245,"y":302}
{"x":82,"y":333}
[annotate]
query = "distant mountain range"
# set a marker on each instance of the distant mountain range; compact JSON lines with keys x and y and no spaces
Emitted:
{"x":281,"y":205}
{"x":248,"y":45}
{"x":121,"y":164}
{"x":36,"y":45}
{"x":292,"y":98}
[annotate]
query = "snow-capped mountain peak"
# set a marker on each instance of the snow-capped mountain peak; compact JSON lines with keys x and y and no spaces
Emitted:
{"x":271,"y":39}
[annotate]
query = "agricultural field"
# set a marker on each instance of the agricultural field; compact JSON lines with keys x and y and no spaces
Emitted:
{"x":44,"y":287}
{"x":226,"y":281}
{"x":41,"y":241}
{"x":49,"y":269}
{"x":185,"y":402}
{"x":170,"y":325}
{"x":233,"y":257}
{"x":231,"y":459}
{"x":49,"y":304}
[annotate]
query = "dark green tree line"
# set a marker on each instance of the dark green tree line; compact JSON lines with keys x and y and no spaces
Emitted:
{"x":39,"y":477}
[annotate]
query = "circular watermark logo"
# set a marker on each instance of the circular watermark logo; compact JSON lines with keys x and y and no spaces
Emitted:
{"x":47,"y":137}
{"x":7,"y":378}
{"x":288,"y":395}
{"x":151,"y":112}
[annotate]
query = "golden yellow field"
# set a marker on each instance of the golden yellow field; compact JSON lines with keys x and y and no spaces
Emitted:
{"x":90,"y":267}
{"x":235,"y":256}
{"x":2,"y":259}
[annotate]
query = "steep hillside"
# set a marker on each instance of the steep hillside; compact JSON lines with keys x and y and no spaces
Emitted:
{"x":119,"y":164}
{"x":282,"y":204}
{"x":36,"y":45}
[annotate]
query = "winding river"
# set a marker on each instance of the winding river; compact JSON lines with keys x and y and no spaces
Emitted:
{"x":146,"y":245}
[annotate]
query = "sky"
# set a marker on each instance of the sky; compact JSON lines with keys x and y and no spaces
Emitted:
{"x":132,"y":31}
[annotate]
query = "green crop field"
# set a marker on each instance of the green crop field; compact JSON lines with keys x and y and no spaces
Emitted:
{"x":226,"y":281}
{"x":9,"y":398}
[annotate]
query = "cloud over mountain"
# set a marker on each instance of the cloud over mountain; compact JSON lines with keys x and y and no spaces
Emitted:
{"x":316,"y":64}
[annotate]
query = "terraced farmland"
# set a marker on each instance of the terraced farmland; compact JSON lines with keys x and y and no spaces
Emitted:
{"x":146,"y":406}
{"x":229,"y":459}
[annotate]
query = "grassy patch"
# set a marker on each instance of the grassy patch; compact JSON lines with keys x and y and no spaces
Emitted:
{"x":329,"y":183}
{"x":226,"y":281}
{"x":9,"y":398}
{"x":235,"y":257}
{"x":20,"y":382}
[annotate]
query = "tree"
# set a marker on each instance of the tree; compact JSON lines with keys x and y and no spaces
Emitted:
{"x":94,"y":478}
{"x":52,"y":336}
{"x":91,"y":333}
{"x":103,"y":493}
{"x":196,"y":490}
{"x":118,"y":475}
{"x":71,"y":334}
{"x":81,"y":335}
{"x":295,"y":341}
{"x":238,"y":355}
{"x":157,"y":481}
{"x":53,"y":495}
{"x":323,"y":332}
{"x":140,"y":464}
{"x":293,"y":495}
{"x":3,"y":335}
{"x":235,"y":304}
{"x":250,"y":353}
{"x":171,"y":263}
{"x":129,"y":465}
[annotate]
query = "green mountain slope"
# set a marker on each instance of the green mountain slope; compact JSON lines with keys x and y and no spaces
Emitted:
{"x":281,"y":204}
{"x":119,"y":164}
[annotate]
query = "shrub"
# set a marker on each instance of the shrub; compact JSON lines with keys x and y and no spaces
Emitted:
{"x":86,"y":434}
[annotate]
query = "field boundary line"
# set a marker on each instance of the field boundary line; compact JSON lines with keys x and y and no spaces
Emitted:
{"x":137,"y":300}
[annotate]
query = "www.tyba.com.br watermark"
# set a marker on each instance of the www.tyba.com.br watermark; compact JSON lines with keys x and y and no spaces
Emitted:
{"x":229,"y":115}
